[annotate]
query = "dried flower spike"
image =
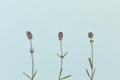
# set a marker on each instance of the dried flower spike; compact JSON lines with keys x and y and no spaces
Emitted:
{"x":29,"y":35}
{"x":60,"y":35}
{"x":90,"y":35}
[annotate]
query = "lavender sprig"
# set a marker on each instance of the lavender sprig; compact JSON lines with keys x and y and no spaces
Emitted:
{"x":91,"y":61}
{"x":29,"y":35}
{"x":62,"y":56}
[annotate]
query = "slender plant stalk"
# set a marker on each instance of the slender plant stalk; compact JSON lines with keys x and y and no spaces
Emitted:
{"x":91,"y":60}
{"x":32,"y":58}
{"x":92,"y":56}
{"x":60,"y":36}
{"x":61,"y":66}
{"x":32,"y":65}
{"x":61,"y":54}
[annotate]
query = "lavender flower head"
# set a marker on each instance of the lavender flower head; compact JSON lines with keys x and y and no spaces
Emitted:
{"x":60,"y":35}
{"x":90,"y":35}
{"x":29,"y":35}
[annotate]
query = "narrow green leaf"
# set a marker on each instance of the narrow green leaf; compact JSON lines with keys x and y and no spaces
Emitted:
{"x":91,"y":64}
{"x":66,"y":77}
{"x":88,"y":73}
{"x":27,"y":75}
{"x":65,"y":54}
{"x":59,"y":55}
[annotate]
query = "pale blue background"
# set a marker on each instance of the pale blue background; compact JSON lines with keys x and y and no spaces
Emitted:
{"x":45,"y":18}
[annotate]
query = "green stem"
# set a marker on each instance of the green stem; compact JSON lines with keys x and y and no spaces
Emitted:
{"x":92,"y":52}
{"x":61,"y":65}
{"x":61,"y":47}
{"x":32,"y":64}
{"x":32,"y":58}
{"x":61,"y":54}
{"x":92,"y":56}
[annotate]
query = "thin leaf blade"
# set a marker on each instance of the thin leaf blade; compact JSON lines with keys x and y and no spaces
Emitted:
{"x":91,"y":64}
{"x":27,"y":75}
{"x":66,"y":77}
{"x":59,"y":55}
{"x":65,"y":54}
{"x":88,"y":73}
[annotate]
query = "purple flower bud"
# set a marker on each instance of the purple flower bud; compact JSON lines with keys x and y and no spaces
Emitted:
{"x":90,"y":35}
{"x":60,"y":35}
{"x":29,"y":35}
